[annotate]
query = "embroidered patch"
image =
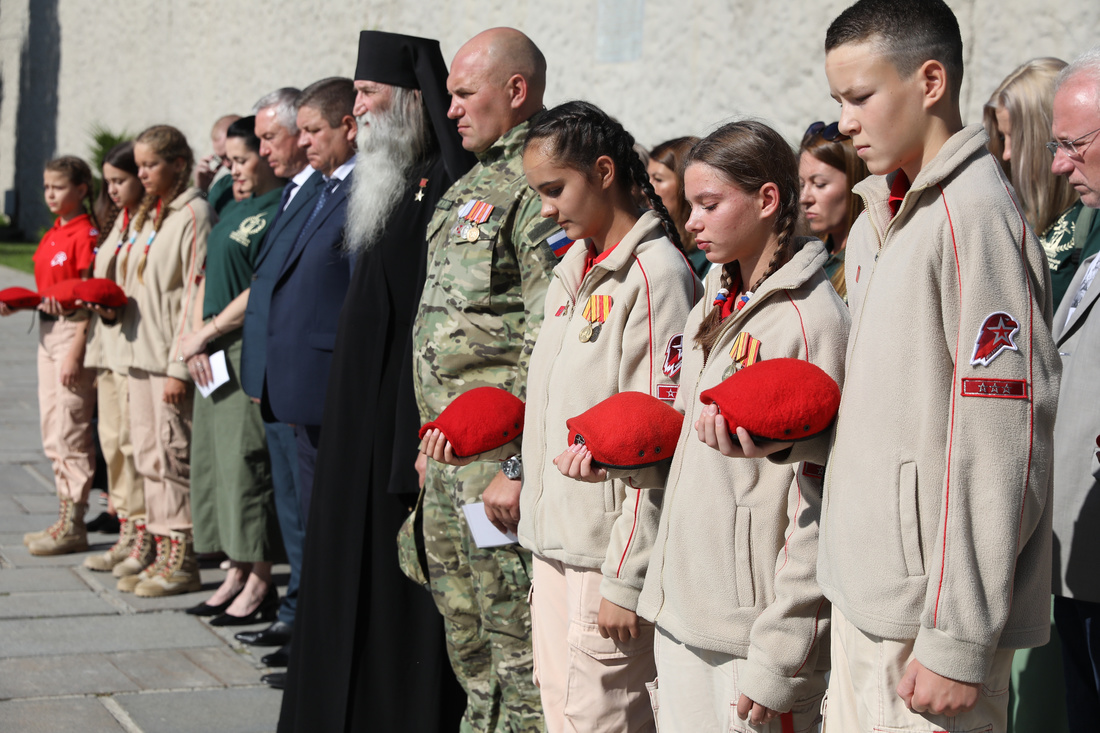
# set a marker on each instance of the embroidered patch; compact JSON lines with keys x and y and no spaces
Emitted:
{"x":249,"y":227}
{"x":813,"y":470}
{"x":674,"y":356}
{"x":561,"y":311}
{"x":559,"y":243}
{"x":93,"y":232}
{"x":59,"y":259}
{"x":994,"y":336}
{"x":667,"y":392}
{"x":1005,"y":389}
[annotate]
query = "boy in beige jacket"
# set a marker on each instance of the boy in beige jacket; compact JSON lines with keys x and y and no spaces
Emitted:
{"x":935,"y":531}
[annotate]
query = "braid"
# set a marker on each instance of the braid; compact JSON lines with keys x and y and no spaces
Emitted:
{"x":711,"y":325}
{"x":110,"y":215}
{"x":641,"y":180}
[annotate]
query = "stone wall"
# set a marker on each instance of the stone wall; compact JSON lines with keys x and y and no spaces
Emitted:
{"x":664,"y":68}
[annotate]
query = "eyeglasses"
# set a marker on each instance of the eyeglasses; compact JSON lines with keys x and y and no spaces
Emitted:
{"x":1070,"y":146}
{"x":830,"y":132}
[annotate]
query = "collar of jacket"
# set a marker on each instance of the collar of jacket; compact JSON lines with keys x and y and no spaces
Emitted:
{"x":875,"y":190}
{"x":507,"y":145}
{"x":189,"y":195}
{"x":806,"y":261}
{"x":571,"y":269}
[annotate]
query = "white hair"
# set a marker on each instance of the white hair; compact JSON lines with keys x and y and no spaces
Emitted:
{"x":1087,"y":64}
{"x":390,"y":141}
{"x":286,"y":114}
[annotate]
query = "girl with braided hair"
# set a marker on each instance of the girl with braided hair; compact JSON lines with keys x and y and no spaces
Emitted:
{"x":160,"y":267}
{"x":731,"y":586}
{"x":614,"y":315}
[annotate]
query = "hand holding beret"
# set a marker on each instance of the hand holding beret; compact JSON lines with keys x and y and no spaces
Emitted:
{"x":19,"y":298}
{"x":100,"y":291}
{"x":628,"y":430}
{"x":64,"y":292}
{"x":479,"y":421}
{"x":777,"y":399}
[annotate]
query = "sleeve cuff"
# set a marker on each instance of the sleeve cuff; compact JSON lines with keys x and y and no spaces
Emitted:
{"x":178,"y":370}
{"x":763,"y":686}
{"x":620,"y":594}
{"x":961,"y":661}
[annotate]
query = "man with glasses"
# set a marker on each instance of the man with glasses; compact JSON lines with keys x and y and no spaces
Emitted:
{"x":1076,"y":127}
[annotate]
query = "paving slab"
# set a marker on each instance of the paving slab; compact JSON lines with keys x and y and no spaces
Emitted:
{"x":37,"y":503}
{"x":163,"y":669}
{"x":52,"y":636}
{"x":58,"y":715}
{"x":236,"y":710}
{"x":29,"y":580}
{"x":19,"y":556}
{"x":54,"y":604}
{"x":16,"y":479}
{"x":231,"y":667}
{"x":67,"y":674}
{"x":20,"y":522}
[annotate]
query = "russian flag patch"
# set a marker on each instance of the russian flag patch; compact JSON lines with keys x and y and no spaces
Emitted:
{"x":559,"y":243}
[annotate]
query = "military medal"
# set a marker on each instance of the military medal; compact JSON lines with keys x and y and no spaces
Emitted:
{"x":745,"y":352}
{"x":420,"y":194}
{"x":473,"y":212}
{"x":595,"y":312}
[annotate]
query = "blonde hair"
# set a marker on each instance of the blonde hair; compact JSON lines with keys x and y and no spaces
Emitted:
{"x":170,"y":144}
{"x":1027,"y":94}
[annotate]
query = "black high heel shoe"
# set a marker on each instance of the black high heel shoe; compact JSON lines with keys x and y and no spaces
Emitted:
{"x":264,"y":612}
{"x":205,"y":609}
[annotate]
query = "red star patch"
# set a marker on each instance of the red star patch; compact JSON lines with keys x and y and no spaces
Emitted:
{"x":994,"y":336}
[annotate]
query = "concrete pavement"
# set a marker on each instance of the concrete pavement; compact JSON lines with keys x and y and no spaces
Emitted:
{"x":77,"y":655}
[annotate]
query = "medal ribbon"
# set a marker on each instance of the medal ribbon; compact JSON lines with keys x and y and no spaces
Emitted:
{"x":597,"y":309}
{"x":746,"y":349}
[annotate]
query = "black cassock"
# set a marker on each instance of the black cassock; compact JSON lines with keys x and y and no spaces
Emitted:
{"x":369,"y":652}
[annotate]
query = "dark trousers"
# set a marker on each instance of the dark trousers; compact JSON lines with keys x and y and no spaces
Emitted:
{"x":283,"y":448}
{"x":308,"y":437}
{"x":1078,"y":624}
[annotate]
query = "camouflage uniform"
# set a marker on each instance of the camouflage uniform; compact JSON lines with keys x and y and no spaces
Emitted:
{"x":477,"y":323}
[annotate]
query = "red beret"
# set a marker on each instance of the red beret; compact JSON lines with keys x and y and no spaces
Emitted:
{"x":101,"y":291}
{"x":777,"y":399}
{"x":628,"y":430}
{"x":20,"y":298}
{"x":478,"y":421}
{"x":64,"y":292}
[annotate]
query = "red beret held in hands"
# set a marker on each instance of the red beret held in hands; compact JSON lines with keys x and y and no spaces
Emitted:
{"x":18,"y":298}
{"x":64,"y":292}
{"x":777,"y":399}
{"x":627,"y":430}
{"x":101,"y":291}
{"x":479,"y":421}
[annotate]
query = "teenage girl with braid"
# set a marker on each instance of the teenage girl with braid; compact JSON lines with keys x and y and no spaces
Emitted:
{"x":618,"y":298}
{"x":731,"y":585}
{"x":66,"y":390}
{"x":161,"y":264}
{"x":109,"y":353}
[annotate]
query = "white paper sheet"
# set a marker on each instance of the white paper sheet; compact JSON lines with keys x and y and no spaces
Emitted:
{"x":485,"y":534}
{"x":218,"y":372}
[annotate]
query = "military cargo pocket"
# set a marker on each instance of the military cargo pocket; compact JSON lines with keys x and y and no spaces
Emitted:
{"x":909,"y":517}
{"x":472,"y":282}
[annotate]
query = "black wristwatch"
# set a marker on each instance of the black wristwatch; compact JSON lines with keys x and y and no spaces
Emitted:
{"x":512,"y":467}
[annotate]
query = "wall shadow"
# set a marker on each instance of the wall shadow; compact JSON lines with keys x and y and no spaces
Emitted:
{"x":36,"y":118}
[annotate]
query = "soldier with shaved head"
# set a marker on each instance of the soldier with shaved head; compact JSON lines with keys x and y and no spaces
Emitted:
{"x":489,"y":262}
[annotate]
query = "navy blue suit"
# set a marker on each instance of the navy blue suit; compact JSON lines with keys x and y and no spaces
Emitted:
{"x":301,"y":329}
{"x":280,"y":438}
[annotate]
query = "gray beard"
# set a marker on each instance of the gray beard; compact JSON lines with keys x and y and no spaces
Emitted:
{"x":388,"y":148}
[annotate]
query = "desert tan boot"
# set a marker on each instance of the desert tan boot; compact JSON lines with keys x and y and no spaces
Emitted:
{"x":62,"y":509}
{"x":127,"y":583}
{"x":142,"y":554}
{"x":118,"y":552}
{"x":180,"y":574}
{"x":68,"y":535}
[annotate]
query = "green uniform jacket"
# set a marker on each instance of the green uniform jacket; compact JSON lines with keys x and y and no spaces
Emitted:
{"x":232,"y":247}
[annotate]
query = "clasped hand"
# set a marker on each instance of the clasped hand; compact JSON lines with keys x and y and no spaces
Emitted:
{"x":713,"y":430}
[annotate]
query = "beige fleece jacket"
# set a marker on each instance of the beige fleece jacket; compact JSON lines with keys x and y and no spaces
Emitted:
{"x":936,"y":522}
{"x":652,"y":289}
{"x":107,"y":348}
{"x":162,"y":299}
{"x":732,"y":569}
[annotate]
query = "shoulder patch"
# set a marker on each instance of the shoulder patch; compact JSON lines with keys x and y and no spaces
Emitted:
{"x":1005,"y":389}
{"x":444,"y":204}
{"x":994,"y":336}
{"x":674,"y":356}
